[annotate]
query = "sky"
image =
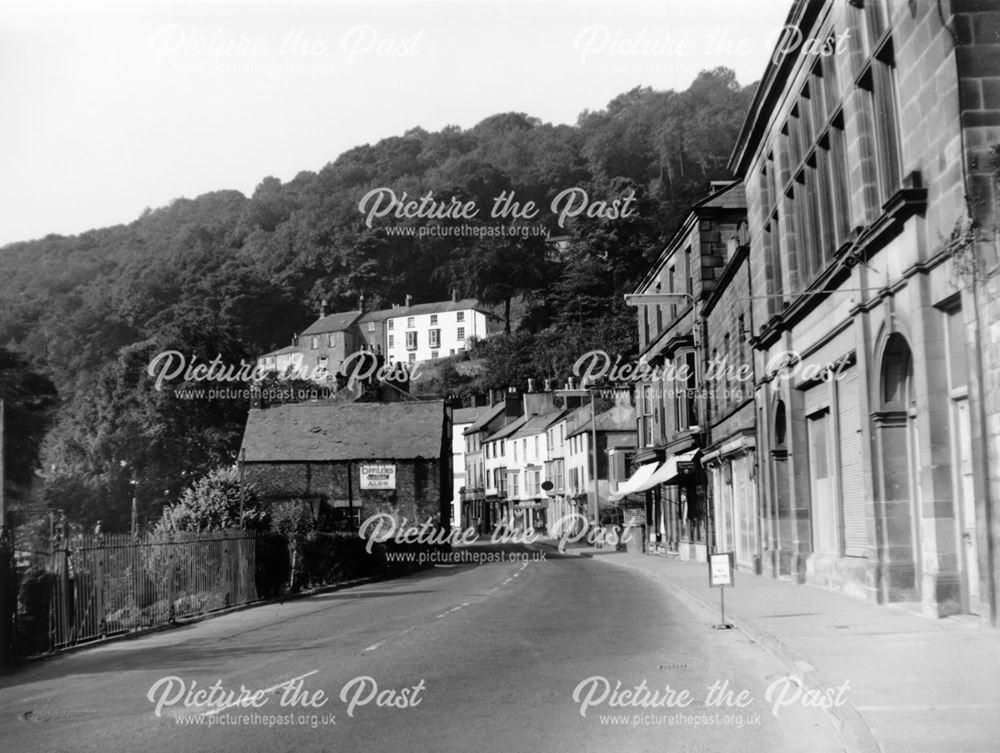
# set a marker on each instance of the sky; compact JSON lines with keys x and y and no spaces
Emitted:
{"x":113,"y":107}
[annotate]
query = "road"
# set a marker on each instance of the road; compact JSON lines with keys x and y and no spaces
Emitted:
{"x":465,"y":658}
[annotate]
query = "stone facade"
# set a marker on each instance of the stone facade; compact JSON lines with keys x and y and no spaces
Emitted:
{"x":419,"y":494}
{"x":865,"y":176}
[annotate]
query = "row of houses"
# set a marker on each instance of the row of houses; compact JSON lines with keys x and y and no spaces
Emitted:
{"x":837,"y":309}
{"x":535,"y":457}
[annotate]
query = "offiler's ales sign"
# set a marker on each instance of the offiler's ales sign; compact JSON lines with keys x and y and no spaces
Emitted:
{"x":378,"y":477}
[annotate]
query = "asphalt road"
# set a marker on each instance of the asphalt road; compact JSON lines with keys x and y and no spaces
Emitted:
{"x":468,"y":658}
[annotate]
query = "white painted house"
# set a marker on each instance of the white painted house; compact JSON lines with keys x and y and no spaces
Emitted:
{"x":426,"y":331}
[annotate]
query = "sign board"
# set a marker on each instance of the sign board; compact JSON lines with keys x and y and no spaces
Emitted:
{"x":378,"y":476}
{"x":720,"y":569}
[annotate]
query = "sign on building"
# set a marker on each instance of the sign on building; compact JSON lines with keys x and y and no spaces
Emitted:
{"x":378,"y":476}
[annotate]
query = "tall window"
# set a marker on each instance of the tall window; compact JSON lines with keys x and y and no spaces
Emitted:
{"x":411,"y":340}
{"x":435,"y":337}
{"x":460,"y":316}
{"x":390,"y":324}
{"x":434,"y":318}
{"x":461,"y":333}
{"x":647,"y":415}
{"x":880,"y":83}
{"x":410,"y":321}
{"x":314,"y":342}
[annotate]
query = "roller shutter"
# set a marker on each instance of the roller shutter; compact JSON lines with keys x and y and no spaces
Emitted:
{"x":857,"y":532}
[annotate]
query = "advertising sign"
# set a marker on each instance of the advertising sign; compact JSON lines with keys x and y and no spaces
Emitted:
{"x":378,"y":476}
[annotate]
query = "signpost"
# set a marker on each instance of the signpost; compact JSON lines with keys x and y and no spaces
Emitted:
{"x":381,"y":476}
{"x":720,"y":575}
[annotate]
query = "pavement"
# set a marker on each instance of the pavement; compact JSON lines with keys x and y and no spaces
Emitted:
{"x":914,"y":684}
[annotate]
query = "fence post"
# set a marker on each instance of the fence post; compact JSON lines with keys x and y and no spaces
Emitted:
{"x":8,"y":596}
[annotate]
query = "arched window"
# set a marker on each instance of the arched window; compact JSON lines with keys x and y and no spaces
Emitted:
{"x":780,"y":425}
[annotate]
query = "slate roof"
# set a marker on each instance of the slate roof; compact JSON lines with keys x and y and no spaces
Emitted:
{"x":479,"y":423}
{"x":440,"y":307}
{"x":468,"y":415}
{"x":332,"y":323}
{"x":505,"y":431}
{"x":537,"y":424}
{"x":283,"y":351}
{"x":377,"y":316}
{"x":344,"y":431}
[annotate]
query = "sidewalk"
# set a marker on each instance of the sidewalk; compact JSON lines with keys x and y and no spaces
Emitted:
{"x":916,"y":685}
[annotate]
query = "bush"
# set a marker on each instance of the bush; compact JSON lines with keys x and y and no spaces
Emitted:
{"x":336,"y":557}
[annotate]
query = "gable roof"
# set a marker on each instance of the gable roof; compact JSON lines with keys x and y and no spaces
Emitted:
{"x":376,"y":316}
{"x":483,"y":420}
{"x":505,"y":431}
{"x":344,"y":431}
{"x":461,"y":416}
{"x":332,"y":323}
{"x":537,"y":424}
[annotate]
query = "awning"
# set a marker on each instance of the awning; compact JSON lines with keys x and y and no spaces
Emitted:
{"x":637,"y":482}
{"x":674,"y":467}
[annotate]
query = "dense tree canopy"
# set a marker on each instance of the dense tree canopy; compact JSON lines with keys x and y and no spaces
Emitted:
{"x":236,"y":275}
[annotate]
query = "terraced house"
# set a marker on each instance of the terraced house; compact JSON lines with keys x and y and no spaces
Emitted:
{"x":873,"y":258}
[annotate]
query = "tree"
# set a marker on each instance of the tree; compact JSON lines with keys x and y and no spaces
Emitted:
{"x":212,"y":503}
{"x":29,"y":399}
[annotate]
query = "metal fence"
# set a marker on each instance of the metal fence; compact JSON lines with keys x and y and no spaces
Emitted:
{"x":91,"y":586}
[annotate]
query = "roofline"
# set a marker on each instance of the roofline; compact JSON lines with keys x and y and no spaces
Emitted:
{"x":674,"y":243}
{"x":802,"y":14}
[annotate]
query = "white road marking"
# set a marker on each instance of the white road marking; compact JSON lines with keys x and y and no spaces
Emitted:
{"x":375,"y":645}
{"x":265,"y":691}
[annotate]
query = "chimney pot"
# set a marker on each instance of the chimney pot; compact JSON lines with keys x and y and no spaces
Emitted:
{"x":409,"y":300}
{"x":531,"y":385}
{"x":322,"y":308}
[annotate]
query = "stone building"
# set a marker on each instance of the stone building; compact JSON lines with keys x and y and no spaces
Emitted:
{"x":671,"y":403}
{"x":873,"y":256}
{"x":730,"y":457}
{"x":353,"y":460}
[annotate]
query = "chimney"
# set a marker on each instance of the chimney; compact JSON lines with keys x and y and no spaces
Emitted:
{"x":454,"y":295}
{"x":409,"y":300}
{"x":322,"y":309}
{"x":548,"y":385}
{"x":513,"y":406}
{"x":531,"y":385}
{"x":295,"y":340}
{"x":361,"y":303}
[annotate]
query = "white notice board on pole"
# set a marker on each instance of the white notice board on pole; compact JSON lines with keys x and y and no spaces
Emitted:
{"x":380,"y":476}
{"x":720,"y":569}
